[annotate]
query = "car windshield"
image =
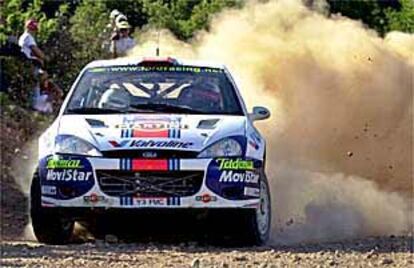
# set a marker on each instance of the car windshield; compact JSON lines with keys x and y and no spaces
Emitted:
{"x":156,"y":89}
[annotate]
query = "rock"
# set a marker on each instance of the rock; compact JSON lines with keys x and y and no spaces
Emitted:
{"x":241,"y":258}
{"x":224,"y":265}
{"x":195,"y":263}
{"x":386,"y":261}
{"x":371,"y":254}
{"x":296,"y":258}
{"x":111,"y":239}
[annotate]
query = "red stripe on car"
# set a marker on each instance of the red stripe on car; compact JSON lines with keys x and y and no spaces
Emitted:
{"x":150,"y":134}
{"x":152,"y":164}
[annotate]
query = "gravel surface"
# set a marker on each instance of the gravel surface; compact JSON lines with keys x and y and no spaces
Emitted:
{"x":370,"y":252}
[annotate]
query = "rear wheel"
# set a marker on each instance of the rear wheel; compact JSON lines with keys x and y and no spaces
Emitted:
{"x":49,"y":226}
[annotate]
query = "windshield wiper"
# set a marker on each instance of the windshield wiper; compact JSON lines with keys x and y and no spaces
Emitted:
{"x":94,"y":110}
{"x":164,"y":107}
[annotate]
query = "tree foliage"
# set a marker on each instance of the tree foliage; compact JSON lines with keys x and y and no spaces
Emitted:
{"x":15,"y":12}
{"x":379,"y":15}
{"x":402,"y":19}
{"x":71,"y":31}
{"x":184,"y":17}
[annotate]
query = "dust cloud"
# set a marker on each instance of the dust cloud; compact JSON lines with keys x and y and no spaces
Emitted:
{"x":27,"y":158}
{"x":340,"y":136}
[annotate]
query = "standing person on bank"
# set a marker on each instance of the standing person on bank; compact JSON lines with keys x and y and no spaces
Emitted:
{"x":122,"y":42}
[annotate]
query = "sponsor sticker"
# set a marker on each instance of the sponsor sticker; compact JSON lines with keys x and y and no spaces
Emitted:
{"x":249,"y":191}
{"x":94,"y":198}
{"x":63,"y":163}
{"x":68,"y":175}
{"x":151,"y":128}
{"x":48,"y":190}
{"x":155,"y":69}
{"x":237,"y":176}
{"x":150,"y":144}
{"x":206,"y":198}
{"x":228,"y":177}
{"x":65,"y":177}
{"x":254,"y":140}
{"x":150,"y":125}
{"x":235,"y":164}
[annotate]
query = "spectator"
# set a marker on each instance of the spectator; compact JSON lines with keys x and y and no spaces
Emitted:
{"x":36,"y":56}
{"x":111,"y":29}
{"x":28,"y":44}
{"x":122,"y":42}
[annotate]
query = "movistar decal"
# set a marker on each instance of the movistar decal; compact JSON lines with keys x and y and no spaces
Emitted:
{"x":151,"y":144}
{"x":236,"y":176}
{"x":63,"y":163}
{"x":68,"y":175}
{"x":235,"y":164}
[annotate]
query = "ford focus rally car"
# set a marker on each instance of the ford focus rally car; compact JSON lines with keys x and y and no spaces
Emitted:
{"x":154,"y":134}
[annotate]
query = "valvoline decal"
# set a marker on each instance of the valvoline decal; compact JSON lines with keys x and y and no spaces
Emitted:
{"x":228,"y":177}
{"x":65,"y":177}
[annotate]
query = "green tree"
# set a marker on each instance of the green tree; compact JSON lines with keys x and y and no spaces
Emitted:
{"x":402,"y":19}
{"x":87,"y":24}
{"x":185,"y":17}
{"x":15,"y":12}
{"x":379,"y":15}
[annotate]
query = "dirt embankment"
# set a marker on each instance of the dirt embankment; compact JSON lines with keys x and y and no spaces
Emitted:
{"x":18,"y":127}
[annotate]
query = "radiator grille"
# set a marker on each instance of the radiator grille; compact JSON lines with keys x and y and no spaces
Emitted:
{"x":150,"y":184}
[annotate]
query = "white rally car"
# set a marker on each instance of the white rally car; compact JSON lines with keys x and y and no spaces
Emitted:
{"x":154,"y":134}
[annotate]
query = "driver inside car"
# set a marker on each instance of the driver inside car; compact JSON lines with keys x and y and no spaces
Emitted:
{"x":201,"y":94}
{"x":115,"y":98}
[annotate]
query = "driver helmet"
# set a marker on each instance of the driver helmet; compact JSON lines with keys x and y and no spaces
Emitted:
{"x":208,"y":91}
{"x":203,"y":92}
{"x":114,"y":98}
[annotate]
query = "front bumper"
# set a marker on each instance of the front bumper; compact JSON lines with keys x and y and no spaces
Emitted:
{"x":74,"y":181}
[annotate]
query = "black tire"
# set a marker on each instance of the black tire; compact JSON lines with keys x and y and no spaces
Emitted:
{"x":49,"y":226}
{"x":255,"y":232}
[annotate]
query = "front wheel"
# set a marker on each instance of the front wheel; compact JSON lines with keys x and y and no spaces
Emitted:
{"x":48,"y":226}
{"x":258,"y":222}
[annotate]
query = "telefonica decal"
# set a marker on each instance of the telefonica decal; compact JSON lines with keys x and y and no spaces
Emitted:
{"x":235,"y":164}
{"x":63,"y":163}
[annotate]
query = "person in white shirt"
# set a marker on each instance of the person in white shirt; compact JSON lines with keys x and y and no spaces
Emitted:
{"x":36,"y":57}
{"x":28,"y":44}
{"x":111,"y":29}
{"x":122,"y":42}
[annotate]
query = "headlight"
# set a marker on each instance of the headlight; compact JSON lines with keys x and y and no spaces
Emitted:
{"x":223,"y":148}
{"x":67,"y":144}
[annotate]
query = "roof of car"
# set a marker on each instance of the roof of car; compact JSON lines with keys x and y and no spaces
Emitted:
{"x":134,"y":61}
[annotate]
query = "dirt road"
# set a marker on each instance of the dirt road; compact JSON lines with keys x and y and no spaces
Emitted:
{"x":372,"y":252}
{"x":17,"y":251}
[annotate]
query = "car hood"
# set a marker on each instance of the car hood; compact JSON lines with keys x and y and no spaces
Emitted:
{"x":144,"y":131}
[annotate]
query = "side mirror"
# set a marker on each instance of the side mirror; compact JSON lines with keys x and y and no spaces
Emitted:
{"x":259,"y":113}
